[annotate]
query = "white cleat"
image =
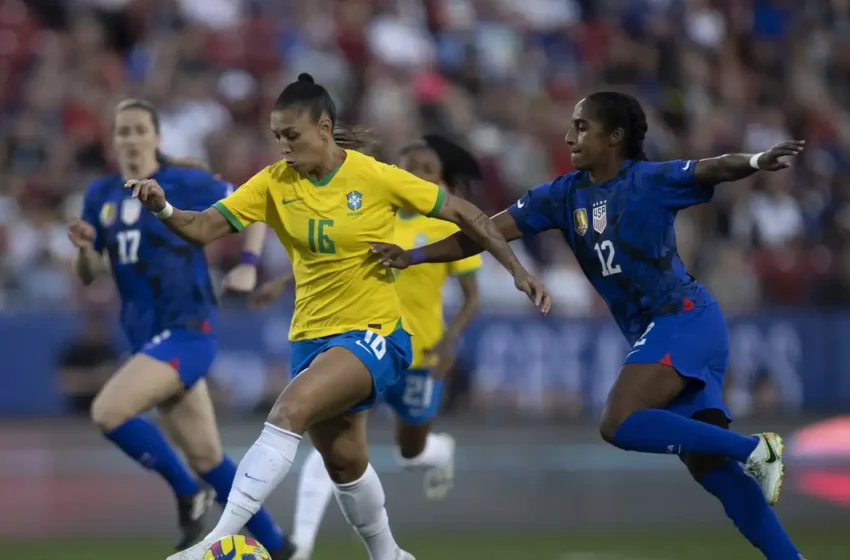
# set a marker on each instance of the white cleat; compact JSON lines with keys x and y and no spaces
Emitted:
{"x":766,"y":467}
{"x":403,"y":555}
{"x":439,"y":480}
{"x":194,"y":553}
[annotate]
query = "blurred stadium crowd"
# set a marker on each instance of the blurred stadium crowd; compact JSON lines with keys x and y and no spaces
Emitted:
{"x":502,"y":75}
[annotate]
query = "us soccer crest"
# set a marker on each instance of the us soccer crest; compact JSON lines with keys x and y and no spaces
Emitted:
{"x":600,"y":216}
{"x":580,"y":221}
{"x":354,"y":200}
{"x":131,"y":210}
{"x":107,"y":214}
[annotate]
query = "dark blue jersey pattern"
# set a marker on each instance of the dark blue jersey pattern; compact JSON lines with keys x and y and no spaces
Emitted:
{"x":163,"y":281}
{"x":622,"y":234}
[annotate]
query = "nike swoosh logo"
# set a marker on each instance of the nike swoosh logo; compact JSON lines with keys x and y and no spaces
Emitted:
{"x":771,"y":454}
{"x":520,"y":204}
{"x":249,"y":477}
{"x":687,"y":165}
{"x":364,"y":346}
{"x":285,"y":202}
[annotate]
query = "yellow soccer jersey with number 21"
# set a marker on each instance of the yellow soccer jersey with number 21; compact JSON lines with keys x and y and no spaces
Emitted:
{"x":420,"y":288}
{"x":328,"y":228}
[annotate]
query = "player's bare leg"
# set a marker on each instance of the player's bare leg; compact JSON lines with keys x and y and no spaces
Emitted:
{"x":140,"y":385}
{"x":419,"y":448}
{"x":342,"y":443}
{"x":634,"y":419}
{"x":335,"y":381}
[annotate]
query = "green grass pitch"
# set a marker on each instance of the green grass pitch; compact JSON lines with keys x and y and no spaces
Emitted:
{"x":816,"y":543}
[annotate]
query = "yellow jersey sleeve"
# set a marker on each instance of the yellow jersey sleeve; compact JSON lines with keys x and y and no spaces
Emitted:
{"x":466,"y":266}
{"x":247,"y":204}
{"x":408,"y":191}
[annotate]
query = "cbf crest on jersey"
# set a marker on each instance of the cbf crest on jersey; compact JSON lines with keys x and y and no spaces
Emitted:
{"x":600,"y":216}
{"x":355,"y":200}
{"x":580,"y":221}
{"x":107,"y":214}
{"x":131,"y":210}
{"x":420,"y":240}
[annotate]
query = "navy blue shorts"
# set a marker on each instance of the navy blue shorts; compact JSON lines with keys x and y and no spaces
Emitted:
{"x":190,"y":352}
{"x":384,"y":357}
{"x":696,"y":344}
{"x":416,"y":397}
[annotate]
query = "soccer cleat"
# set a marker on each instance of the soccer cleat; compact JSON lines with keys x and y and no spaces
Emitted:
{"x":191,"y":511}
{"x":439,"y":480}
{"x":404,"y":555}
{"x":765,"y":466}
{"x":286,"y":552}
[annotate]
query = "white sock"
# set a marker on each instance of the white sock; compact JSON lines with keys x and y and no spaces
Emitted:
{"x":260,"y":471}
{"x":315,"y":488}
{"x":362,"y":505}
{"x":437,"y":452}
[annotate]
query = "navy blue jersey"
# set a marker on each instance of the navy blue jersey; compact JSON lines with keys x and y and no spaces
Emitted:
{"x":163,"y":281}
{"x":623,"y":237}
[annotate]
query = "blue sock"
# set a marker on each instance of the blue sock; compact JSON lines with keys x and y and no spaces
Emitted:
{"x":660,"y":431}
{"x":142,"y":440}
{"x":261,"y":525}
{"x":745,"y":505}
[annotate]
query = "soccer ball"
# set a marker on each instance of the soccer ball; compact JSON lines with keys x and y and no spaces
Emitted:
{"x":236,"y":547}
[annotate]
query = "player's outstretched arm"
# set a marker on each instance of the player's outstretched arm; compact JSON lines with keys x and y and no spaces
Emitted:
{"x":477,"y":233}
{"x":453,"y":248}
{"x":732,"y":167}
{"x":199,"y":228}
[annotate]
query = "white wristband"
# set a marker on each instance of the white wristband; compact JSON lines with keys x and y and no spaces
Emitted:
{"x":754,"y":161}
{"x":166,"y":212}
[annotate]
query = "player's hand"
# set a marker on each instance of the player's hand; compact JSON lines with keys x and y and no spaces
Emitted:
{"x":534,"y":289}
{"x":81,"y":234}
{"x":243,"y":278}
{"x":391,"y":256}
{"x":149,"y":193}
{"x":267,"y":293}
{"x":445,"y":354}
{"x":770,"y":160}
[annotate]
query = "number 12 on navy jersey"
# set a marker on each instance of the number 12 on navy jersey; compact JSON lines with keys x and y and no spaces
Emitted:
{"x":605,"y":251}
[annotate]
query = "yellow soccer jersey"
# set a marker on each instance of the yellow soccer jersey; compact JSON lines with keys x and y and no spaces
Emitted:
{"x":328,"y":228}
{"x":420,"y":288}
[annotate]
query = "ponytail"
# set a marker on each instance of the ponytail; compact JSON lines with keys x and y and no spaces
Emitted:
{"x":354,"y":137}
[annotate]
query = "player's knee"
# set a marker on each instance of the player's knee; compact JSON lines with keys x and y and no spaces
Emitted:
{"x":291,"y":414}
{"x":612,"y":418}
{"x":346,"y":463}
{"x":107,"y":415}
{"x":203,"y":456}
{"x":700,"y":464}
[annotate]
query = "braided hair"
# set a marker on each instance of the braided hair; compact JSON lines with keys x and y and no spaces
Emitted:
{"x":315,"y":99}
{"x":620,"y":110}
{"x":460,"y":169}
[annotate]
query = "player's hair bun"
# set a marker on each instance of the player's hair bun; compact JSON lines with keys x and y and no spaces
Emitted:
{"x":305,"y":77}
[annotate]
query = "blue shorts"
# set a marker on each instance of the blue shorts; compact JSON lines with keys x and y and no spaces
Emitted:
{"x":188,"y":351}
{"x":696,"y":344}
{"x":384,"y":357}
{"x":415,"y":397}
